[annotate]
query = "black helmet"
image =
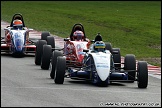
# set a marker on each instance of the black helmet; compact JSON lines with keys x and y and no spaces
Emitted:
{"x":99,"y":46}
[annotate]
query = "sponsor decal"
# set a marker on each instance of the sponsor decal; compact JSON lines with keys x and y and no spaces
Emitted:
{"x":103,"y":66}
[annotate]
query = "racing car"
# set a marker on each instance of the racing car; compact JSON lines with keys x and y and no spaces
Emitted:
{"x":100,"y":68}
{"x":73,"y":49}
{"x":16,"y":40}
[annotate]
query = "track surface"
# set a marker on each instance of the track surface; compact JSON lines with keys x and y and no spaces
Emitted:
{"x":23,"y":84}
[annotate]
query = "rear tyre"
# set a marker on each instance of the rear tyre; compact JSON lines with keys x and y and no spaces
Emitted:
{"x":60,"y":70}
{"x":130,"y":64}
{"x":55,"y":54}
{"x":39,"y":51}
{"x":51,"y":41}
{"x":109,"y":47}
{"x":117,"y":58}
{"x":46,"y":56}
{"x":142,"y":74}
{"x":44,"y":35}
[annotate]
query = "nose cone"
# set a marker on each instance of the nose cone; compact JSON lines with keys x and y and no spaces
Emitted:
{"x":102,"y":63}
{"x":103,"y":73}
{"x":18,"y":45}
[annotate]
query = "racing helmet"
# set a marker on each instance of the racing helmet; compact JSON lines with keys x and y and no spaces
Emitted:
{"x":17,"y":24}
{"x":99,"y":46}
{"x":78,"y":35}
{"x":78,"y":28}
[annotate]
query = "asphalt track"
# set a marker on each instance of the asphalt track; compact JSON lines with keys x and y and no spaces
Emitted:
{"x":23,"y":84}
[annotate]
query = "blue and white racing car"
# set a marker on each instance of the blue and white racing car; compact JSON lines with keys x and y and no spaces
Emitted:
{"x":102,"y":65}
{"x":16,"y":40}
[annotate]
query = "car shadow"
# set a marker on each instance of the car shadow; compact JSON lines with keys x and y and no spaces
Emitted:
{"x":17,"y":56}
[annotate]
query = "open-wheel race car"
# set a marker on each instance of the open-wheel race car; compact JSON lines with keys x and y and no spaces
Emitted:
{"x":46,"y":52}
{"x":16,"y":40}
{"x":101,"y":65}
{"x":73,"y":48}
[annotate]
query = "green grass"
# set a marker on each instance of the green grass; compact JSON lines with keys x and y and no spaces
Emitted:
{"x":132,"y":26}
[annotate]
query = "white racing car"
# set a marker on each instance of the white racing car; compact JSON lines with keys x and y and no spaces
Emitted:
{"x":102,"y":65}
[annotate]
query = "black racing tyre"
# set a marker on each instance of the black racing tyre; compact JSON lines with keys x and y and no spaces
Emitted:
{"x":142,"y":74}
{"x":39,"y":51}
{"x":55,"y":54}
{"x":130,"y":64}
{"x":44,"y":35}
{"x":90,"y":65}
{"x":60,"y":70}
{"x":117,"y":58}
{"x":109,"y":47}
{"x":46,"y":56}
{"x":51,"y":41}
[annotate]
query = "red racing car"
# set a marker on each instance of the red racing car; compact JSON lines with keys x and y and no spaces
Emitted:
{"x":73,"y":46}
{"x":73,"y":49}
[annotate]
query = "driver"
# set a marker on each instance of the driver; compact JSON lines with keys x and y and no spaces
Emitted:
{"x":99,"y":46}
{"x":17,"y":24}
{"x":78,"y":36}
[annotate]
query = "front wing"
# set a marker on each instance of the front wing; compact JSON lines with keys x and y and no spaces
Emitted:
{"x":28,"y":48}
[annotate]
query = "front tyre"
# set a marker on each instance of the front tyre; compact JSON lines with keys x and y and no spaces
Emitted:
{"x":39,"y":51}
{"x":142,"y":74}
{"x":55,"y":54}
{"x":46,"y":56}
{"x":60,"y":70}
